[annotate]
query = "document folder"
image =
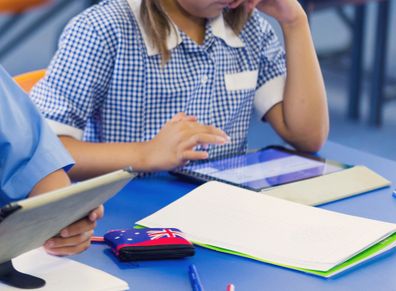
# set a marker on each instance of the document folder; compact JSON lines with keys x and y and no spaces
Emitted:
{"x":238,"y":221}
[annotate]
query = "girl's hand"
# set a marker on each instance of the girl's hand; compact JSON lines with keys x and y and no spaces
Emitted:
{"x":284,"y":11}
{"x":76,"y":237}
{"x":175,"y":144}
{"x":235,"y":3}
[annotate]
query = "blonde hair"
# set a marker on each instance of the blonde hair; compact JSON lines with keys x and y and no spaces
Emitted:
{"x":158,"y":25}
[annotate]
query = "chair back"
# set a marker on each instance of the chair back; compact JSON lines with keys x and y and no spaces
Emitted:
{"x":18,"y":6}
{"x":27,"y":80}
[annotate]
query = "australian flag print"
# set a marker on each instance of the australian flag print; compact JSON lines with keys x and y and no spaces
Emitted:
{"x":149,"y":244}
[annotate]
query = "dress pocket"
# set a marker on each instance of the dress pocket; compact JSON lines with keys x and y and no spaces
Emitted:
{"x":241,"y":81}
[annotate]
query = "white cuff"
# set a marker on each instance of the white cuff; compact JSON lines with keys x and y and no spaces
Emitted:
{"x":63,"y":129}
{"x":270,"y":94}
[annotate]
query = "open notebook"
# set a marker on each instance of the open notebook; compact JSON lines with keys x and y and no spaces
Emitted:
{"x":276,"y":231}
{"x":63,"y":274}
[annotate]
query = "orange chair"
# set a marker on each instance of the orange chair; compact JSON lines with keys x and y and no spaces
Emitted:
{"x":28,"y":80}
{"x":14,"y":11}
{"x":19,"y":6}
{"x":17,"y":9}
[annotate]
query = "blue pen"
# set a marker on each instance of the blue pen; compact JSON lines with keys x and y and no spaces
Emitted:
{"x":194,"y":279}
{"x":394,"y":193}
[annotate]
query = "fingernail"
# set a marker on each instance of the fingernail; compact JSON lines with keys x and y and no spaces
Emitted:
{"x":49,"y":244}
{"x":64,"y":233}
{"x":221,"y":139}
{"x":93,"y":217}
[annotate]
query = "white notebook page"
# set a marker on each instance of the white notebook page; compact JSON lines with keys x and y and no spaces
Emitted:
{"x":62,"y":274}
{"x":269,"y":228}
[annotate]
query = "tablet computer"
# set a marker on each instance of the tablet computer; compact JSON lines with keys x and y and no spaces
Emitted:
{"x":261,"y":169}
{"x":28,"y":223}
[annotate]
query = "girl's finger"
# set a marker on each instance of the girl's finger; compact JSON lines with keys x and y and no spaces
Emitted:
{"x":201,"y":139}
{"x":178,"y":117}
{"x":191,"y":155}
{"x":59,"y":242}
{"x":235,"y":3}
{"x":69,"y":250}
{"x":78,"y":227}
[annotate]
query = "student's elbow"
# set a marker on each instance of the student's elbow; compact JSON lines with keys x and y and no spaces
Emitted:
{"x":308,"y":146}
{"x":313,"y":142}
{"x":314,"y":145}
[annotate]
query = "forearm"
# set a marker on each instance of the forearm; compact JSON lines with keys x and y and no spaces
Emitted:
{"x":305,"y":113}
{"x":93,"y":159}
{"x":53,"y":181}
{"x":172,"y":147}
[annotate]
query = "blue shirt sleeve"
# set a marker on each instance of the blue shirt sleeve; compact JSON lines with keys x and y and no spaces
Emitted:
{"x":272,"y":69}
{"x":29,"y":150}
{"x":77,"y":79}
{"x":273,"y":56}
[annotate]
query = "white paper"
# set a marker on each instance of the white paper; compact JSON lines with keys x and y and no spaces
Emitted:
{"x":62,"y":274}
{"x":269,"y":228}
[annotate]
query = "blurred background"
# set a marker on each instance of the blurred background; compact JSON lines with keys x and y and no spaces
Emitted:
{"x":355,"y":41}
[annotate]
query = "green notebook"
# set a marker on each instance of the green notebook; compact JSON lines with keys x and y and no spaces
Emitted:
{"x":237,"y":221}
{"x":373,"y":251}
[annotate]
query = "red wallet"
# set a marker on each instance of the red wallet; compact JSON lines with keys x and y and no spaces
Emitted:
{"x":149,"y":244}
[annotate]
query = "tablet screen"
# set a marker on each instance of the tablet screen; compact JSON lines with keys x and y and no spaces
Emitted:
{"x":262,"y":169}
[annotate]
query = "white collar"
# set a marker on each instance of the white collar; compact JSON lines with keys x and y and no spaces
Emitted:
{"x":223,"y":31}
{"x":219,"y":29}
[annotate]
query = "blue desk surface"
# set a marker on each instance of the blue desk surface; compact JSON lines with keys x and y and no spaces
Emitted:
{"x":146,"y":195}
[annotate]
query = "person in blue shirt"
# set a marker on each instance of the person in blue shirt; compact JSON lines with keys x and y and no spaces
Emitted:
{"x":34,"y":161}
{"x":126,"y":69}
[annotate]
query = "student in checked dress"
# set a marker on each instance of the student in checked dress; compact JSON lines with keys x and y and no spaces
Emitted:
{"x":157,"y":83}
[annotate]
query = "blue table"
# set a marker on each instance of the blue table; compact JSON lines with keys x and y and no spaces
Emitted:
{"x":144,"y":196}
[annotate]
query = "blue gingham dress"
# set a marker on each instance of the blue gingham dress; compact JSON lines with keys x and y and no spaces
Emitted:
{"x":106,"y":82}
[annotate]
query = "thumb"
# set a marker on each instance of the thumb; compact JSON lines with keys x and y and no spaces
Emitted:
{"x":182,"y":116}
{"x":178,"y":117}
{"x":251,"y":4}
